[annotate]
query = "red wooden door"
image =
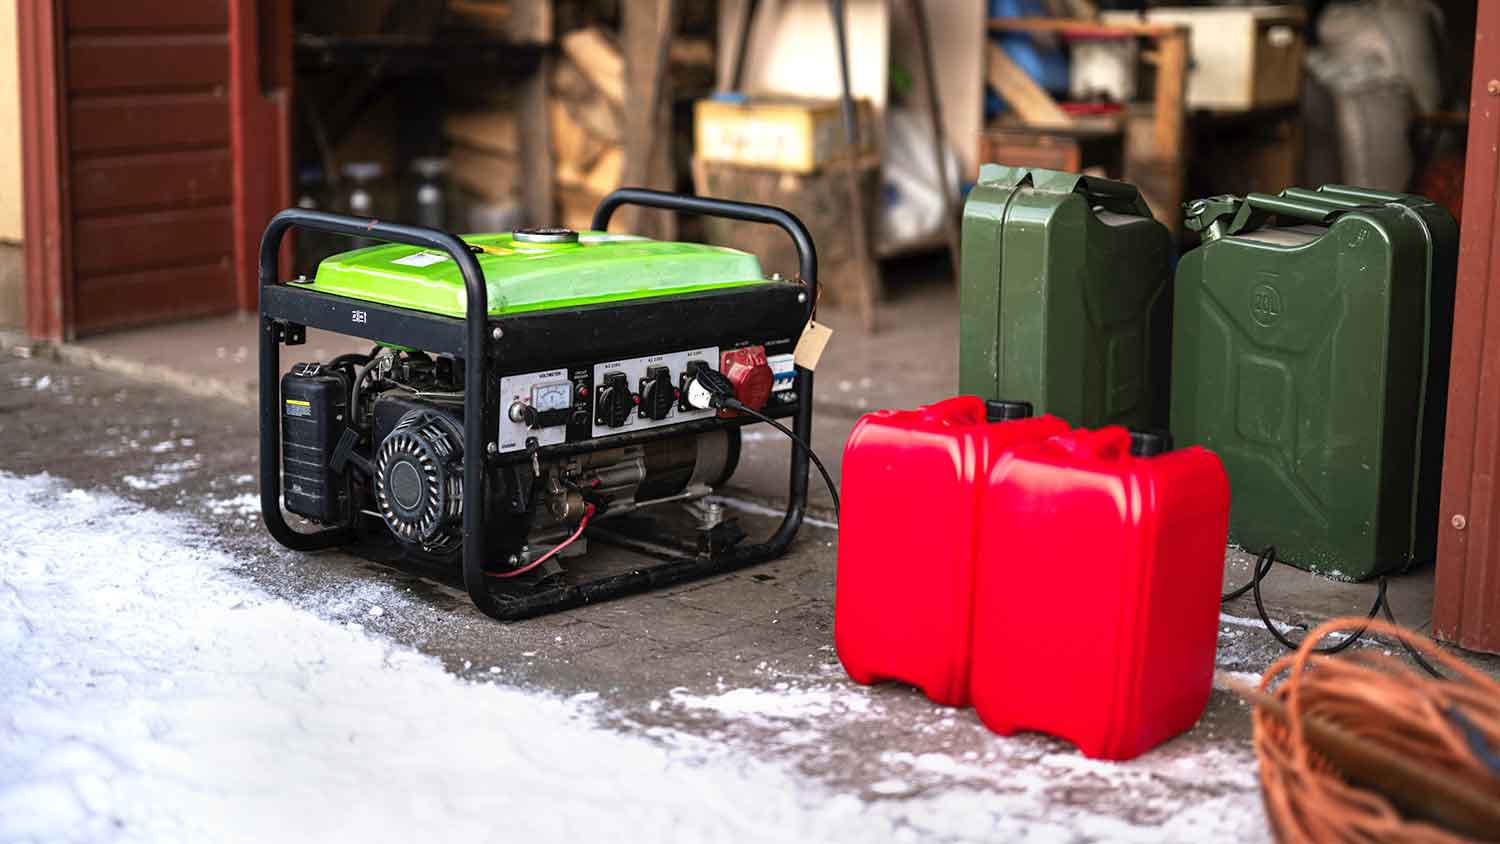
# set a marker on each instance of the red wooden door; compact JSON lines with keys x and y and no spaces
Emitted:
{"x":1466,"y":608}
{"x":127,"y":147}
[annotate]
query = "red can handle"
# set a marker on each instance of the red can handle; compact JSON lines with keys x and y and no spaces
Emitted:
{"x":1111,"y":443}
{"x":959,"y":411}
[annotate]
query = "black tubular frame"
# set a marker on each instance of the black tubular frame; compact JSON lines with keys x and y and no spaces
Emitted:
{"x":478,"y":353}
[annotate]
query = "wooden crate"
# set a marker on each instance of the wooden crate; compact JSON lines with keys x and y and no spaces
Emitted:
{"x":1072,"y":151}
{"x":1243,"y":57}
{"x":820,"y":200}
{"x":795,"y":134}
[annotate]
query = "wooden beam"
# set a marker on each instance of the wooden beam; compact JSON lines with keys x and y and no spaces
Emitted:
{"x":536,"y":148}
{"x":939,"y":138}
{"x":599,"y":60}
{"x":1031,"y":103}
{"x":648,"y":29}
{"x":1171,"y":88}
{"x":260,"y":108}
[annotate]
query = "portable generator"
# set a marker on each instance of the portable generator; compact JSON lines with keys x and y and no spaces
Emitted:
{"x":526,"y":386}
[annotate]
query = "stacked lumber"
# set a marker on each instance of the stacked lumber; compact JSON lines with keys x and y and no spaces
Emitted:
{"x":484,"y":157}
{"x":587,"y":117}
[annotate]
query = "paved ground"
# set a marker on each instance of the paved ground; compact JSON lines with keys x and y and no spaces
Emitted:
{"x":728,"y":658}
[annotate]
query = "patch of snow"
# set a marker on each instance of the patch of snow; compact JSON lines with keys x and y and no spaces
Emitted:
{"x":166,"y":474}
{"x":781,"y":702}
{"x":1247,"y":678}
{"x":151,"y":693}
{"x":247,"y":504}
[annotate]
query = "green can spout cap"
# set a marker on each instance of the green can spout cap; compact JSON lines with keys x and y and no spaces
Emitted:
{"x":1209,"y":216}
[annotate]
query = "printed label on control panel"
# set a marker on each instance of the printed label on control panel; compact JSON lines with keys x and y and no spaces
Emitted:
{"x":785,"y":370}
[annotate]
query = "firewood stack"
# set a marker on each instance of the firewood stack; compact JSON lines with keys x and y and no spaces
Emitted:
{"x":587,"y":115}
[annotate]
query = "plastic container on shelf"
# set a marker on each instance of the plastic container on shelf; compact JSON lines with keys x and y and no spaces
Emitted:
{"x":426,"y":198}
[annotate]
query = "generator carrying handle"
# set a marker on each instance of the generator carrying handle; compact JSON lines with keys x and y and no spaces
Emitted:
{"x":751,"y":212}
{"x":476,"y":317}
{"x":807,"y":269}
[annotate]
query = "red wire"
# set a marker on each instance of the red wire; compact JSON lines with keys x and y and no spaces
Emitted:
{"x":582,"y":523}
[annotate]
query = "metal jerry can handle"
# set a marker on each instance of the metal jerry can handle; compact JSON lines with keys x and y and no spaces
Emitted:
{"x":1217,"y":216}
{"x":1112,"y":195}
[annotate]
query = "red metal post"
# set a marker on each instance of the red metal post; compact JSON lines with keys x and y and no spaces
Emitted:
{"x":44,"y":174}
{"x":260,"y":102}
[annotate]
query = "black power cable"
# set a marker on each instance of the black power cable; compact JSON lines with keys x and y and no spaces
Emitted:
{"x":1263,"y":565}
{"x":718,"y":392}
{"x":735,"y":404}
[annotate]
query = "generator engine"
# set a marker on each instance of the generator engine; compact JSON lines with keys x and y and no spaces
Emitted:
{"x":400,"y":455}
{"x":525,"y":386}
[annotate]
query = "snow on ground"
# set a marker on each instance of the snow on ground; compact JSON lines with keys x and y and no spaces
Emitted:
{"x":149,"y":693}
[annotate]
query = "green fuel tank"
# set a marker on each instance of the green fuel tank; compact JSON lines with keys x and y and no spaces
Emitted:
{"x":535,"y":270}
{"x":1312,"y":356}
{"x":1064,"y":297}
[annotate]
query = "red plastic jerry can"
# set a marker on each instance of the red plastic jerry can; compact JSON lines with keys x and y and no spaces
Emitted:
{"x":907,"y":536}
{"x":1096,"y":600}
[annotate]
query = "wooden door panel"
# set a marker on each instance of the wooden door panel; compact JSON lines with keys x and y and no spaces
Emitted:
{"x":149,"y":123}
{"x":152,"y":61}
{"x":139,"y":15}
{"x":157,"y":180}
{"x":136,"y":204}
{"x":146,"y":105}
{"x":186,"y":237}
{"x":127,"y":300}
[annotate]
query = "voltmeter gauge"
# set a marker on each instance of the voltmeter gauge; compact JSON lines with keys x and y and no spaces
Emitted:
{"x":555,"y":396}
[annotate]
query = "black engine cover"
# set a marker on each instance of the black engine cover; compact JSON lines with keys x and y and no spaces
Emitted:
{"x":314,"y":402}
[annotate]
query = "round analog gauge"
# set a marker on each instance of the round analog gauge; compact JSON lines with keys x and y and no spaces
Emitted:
{"x":545,"y":397}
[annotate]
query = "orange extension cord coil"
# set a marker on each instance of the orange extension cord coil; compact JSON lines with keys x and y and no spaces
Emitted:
{"x":1380,"y":699}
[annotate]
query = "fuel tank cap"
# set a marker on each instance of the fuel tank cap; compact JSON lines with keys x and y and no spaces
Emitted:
{"x":545,"y":234}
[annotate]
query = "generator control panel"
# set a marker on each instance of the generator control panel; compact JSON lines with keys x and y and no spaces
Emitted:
{"x":589,"y":401}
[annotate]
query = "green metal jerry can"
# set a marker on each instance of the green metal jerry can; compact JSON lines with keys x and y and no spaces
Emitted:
{"x":1312,"y":356}
{"x":1064,"y":297}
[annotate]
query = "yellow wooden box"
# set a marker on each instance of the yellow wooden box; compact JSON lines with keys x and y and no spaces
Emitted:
{"x":790,"y":134}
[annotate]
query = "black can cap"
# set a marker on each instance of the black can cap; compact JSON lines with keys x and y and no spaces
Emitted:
{"x":1001,"y":410}
{"x":1150,"y":443}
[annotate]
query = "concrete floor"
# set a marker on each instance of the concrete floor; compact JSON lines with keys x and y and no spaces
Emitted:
{"x":913,"y":360}
{"x":152,"y":430}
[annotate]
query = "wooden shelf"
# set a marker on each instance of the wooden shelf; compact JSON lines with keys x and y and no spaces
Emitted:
{"x":1086,"y":29}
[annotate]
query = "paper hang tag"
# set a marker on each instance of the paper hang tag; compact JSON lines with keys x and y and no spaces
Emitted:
{"x":810,"y":346}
